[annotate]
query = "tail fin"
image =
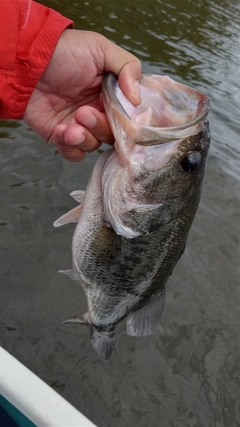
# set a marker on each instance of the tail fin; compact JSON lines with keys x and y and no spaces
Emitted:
{"x":103,"y":342}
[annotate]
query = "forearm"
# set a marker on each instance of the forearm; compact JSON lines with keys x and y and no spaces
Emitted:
{"x":29,"y":33}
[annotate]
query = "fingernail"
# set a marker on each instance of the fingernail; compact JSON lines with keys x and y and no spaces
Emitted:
{"x":89,"y":120}
{"x":80,"y":140}
{"x":77,"y":142}
{"x":137,"y":91}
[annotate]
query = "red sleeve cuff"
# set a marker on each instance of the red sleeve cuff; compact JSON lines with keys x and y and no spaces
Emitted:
{"x":35,"y":46}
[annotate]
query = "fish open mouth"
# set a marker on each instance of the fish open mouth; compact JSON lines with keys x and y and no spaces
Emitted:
{"x":168,"y":111}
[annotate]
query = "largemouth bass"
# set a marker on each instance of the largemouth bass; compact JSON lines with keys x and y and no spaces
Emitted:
{"x":134,"y":218}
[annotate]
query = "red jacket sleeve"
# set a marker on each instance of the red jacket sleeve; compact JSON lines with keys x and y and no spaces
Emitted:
{"x":29,"y":33}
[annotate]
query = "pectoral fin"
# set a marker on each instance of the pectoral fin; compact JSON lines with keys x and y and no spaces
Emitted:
{"x":72,"y":216}
{"x":106,"y":245}
{"x":145,"y":320}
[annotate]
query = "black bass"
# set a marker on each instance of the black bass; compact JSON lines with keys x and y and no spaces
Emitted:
{"x":134,"y":218}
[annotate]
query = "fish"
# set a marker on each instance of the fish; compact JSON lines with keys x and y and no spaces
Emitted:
{"x":134,"y":218}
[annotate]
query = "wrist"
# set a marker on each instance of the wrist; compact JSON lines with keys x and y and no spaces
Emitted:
{"x":30,"y":52}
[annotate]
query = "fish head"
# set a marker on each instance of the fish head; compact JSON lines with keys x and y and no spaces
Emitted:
{"x":161,"y":149}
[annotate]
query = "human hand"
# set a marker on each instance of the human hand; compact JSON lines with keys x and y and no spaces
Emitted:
{"x":65,"y":107}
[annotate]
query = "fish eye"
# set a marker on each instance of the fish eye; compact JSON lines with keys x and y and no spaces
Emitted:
{"x":191,"y":161}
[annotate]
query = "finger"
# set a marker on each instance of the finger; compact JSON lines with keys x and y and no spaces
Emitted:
{"x":70,"y":153}
{"x":127,"y":67}
{"x":95,"y":122}
{"x":129,"y":84}
{"x":79,"y":136}
{"x":72,"y":141}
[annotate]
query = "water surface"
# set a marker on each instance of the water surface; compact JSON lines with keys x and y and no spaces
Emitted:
{"x":187,"y":372}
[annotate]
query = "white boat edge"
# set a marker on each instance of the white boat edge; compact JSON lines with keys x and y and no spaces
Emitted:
{"x":34,"y":398}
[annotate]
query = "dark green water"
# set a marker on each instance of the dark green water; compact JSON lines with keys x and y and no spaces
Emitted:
{"x":187,"y":373}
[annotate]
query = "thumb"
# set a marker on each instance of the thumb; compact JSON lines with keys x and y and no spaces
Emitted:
{"x":126,"y":66}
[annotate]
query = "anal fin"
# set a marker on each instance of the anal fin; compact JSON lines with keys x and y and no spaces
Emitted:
{"x":82,"y":319}
{"x":145,"y":320}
